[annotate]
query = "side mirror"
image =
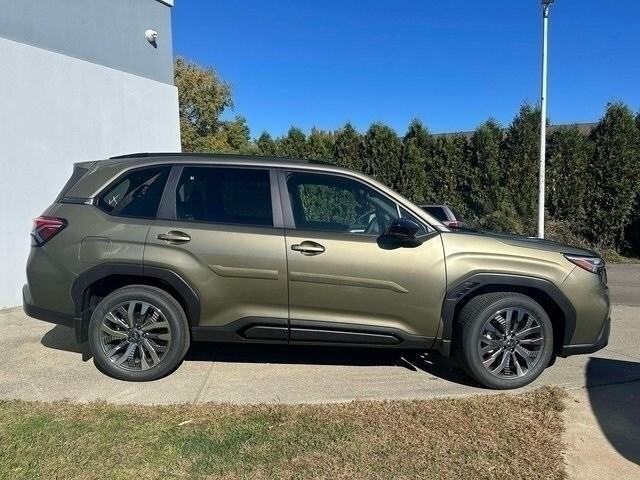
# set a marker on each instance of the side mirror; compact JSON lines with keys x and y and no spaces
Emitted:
{"x":401,"y":233}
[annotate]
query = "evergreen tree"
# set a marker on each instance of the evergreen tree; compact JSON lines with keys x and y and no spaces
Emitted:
{"x":294,"y":144}
{"x":236,"y":135}
{"x":614,"y":175}
{"x":521,"y":156}
{"x":567,"y":175}
{"x":347,"y":148}
{"x":267,"y":145}
{"x":416,"y":147}
{"x":445,"y":169}
{"x":320,"y":145}
{"x":382,"y":149}
{"x":486,"y":189}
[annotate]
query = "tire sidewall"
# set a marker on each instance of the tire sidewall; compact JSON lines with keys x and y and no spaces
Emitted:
{"x":174,"y":315}
{"x":473,"y":361}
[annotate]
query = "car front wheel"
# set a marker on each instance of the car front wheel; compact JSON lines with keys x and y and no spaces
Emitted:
{"x":505,"y":339}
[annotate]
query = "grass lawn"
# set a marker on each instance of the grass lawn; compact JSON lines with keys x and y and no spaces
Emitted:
{"x":483,"y":437}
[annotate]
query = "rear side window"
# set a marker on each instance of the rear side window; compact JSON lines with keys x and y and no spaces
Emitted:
{"x":224,"y":195}
{"x":137,"y":194}
{"x":436,"y":212}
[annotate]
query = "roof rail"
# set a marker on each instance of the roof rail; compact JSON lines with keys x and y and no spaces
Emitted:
{"x":217,"y":155}
{"x":142,"y":155}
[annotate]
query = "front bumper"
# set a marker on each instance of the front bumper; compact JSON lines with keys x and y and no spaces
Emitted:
{"x":601,"y":341}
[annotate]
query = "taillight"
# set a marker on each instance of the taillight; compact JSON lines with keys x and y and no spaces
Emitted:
{"x":45,"y":228}
{"x":453,"y":223}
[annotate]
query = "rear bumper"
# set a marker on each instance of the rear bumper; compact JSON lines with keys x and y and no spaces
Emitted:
{"x":43,"y":314}
{"x":601,"y":341}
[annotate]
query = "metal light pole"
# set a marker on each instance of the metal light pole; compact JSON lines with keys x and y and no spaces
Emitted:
{"x":543,"y":116}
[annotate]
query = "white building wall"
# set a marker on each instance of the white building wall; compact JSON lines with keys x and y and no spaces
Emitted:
{"x":56,"y":110}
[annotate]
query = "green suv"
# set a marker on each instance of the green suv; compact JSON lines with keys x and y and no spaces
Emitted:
{"x":144,"y":253}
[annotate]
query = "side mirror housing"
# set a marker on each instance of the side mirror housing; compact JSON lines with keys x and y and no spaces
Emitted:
{"x":401,"y":233}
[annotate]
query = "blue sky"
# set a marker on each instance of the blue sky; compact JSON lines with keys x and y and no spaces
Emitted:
{"x":451,"y":63}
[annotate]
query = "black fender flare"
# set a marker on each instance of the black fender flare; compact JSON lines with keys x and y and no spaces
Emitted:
{"x":104,"y":270}
{"x":466,"y":288}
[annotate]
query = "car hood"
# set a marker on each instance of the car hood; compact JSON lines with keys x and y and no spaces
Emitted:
{"x":531,"y":242}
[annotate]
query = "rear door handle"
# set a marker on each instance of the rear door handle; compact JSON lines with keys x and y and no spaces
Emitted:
{"x":308,"y":248}
{"x":174,"y":237}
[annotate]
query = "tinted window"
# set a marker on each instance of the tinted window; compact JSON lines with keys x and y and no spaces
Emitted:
{"x":224,"y":195}
{"x":334,"y":203}
{"x":436,"y":212}
{"x":137,"y":194}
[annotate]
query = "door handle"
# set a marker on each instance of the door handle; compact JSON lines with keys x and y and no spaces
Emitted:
{"x":308,"y":248}
{"x":174,"y":237}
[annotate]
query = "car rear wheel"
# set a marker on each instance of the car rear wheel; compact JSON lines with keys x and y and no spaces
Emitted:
{"x":505,"y":339}
{"x":138,"y":333}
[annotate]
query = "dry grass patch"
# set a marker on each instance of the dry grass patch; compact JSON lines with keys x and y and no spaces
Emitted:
{"x":483,"y":437}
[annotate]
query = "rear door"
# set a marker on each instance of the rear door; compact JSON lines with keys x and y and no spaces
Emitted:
{"x":343,"y":286}
{"x":222,"y":232}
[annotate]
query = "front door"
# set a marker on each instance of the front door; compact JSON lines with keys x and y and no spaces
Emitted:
{"x":222,"y":237}
{"x":343,"y":286}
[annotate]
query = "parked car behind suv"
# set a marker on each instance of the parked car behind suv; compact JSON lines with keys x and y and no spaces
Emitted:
{"x":144,"y":253}
{"x":445,"y":214}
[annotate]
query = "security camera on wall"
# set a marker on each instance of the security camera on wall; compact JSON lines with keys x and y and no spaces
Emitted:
{"x":151,"y":36}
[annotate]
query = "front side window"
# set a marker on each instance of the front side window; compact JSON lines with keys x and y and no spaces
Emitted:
{"x":339,"y":204}
{"x":138,"y":194}
{"x":224,"y":195}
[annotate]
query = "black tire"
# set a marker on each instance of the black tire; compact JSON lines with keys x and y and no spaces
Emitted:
{"x":470,"y":325}
{"x":176,"y":346}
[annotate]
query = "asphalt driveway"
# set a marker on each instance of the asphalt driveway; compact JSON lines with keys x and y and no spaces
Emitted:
{"x":39,"y":361}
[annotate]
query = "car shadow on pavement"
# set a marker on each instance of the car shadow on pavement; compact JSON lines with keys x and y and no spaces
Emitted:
{"x":616,"y":406}
{"x":432,"y":364}
{"x":63,"y":338}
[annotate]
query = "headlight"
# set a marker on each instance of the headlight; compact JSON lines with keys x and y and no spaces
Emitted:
{"x":590,"y":264}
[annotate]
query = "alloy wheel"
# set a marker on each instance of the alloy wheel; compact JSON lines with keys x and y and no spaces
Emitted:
{"x":135,"y":335}
{"x":511,"y":342}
